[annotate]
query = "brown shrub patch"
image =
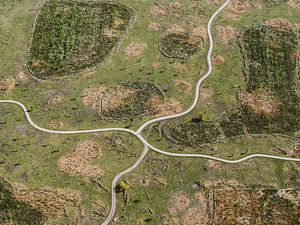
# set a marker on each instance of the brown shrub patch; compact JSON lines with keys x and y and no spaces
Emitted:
{"x":156,"y":65}
{"x":153,"y":26}
{"x":22,"y":76}
{"x":175,"y":28}
{"x":200,"y":32}
{"x":196,"y":215}
{"x":180,"y":67}
{"x":175,"y":5}
{"x":212,"y":164}
{"x":179,"y":202}
{"x":294,"y":3}
{"x":92,"y":96}
{"x":56,"y":124}
{"x":157,"y":10}
{"x":280,"y":24}
{"x":53,"y":203}
{"x":77,"y":162}
{"x":169,"y":107}
{"x":218,"y":60}
{"x":226,"y":33}
{"x":238,"y":6}
{"x":206,"y":94}
{"x":183,"y":85}
{"x":261,"y":102}
{"x":7,"y":83}
{"x":134,"y":49}
{"x":56,"y":98}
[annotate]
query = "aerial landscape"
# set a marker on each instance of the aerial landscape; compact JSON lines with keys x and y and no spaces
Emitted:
{"x":144,"y":112}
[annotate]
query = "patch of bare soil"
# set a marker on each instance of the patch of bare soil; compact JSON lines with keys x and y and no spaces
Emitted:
{"x":175,"y":28}
{"x":153,"y":26}
{"x":92,"y":96}
{"x":294,"y":3}
{"x":183,"y":85}
{"x":179,"y":202}
{"x":77,"y":161}
{"x":180,"y":67}
{"x":53,"y":203}
{"x":212,"y":164}
{"x":157,"y":10}
{"x":218,"y":60}
{"x":206,"y":94}
{"x":200,"y":32}
{"x":226,"y":33}
{"x":238,"y":6}
{"x":168,"y":107}
{"x":56,"y":98}
{"x":280,"y":24}
{"x":114,"y":98}
{"x":22,"y":76}
{"x":56,"y":124}
{"x":260,"y":102}
{"x":156,"y":65}
{"x":134,"y":49}
{"x":7,"y":83}
{"x":175,"y":5}
{"x":196,"y":215}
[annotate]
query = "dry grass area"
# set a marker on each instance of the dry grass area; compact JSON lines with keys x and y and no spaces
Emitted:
{"x":56,"y":124}
{"x":53,"y":203}
{"x":280,"y":24}
{"x":134,"y":49}
{"x":157,"y":10}
{"x":200,"y":31}
{"x":175,"y":28}
{"x":7,"y":83}
{"x":77,"y":161}
{"x":183,"y":85}
{"x":218,"y":60}
{"x":180,"y":67}
{"x":260,"y":102}
{"x":228,"y":203}
{"x":163,"y":108}
{"x":226,"y":33}
{"x":294,"y":3}
{"x":153,"y":26}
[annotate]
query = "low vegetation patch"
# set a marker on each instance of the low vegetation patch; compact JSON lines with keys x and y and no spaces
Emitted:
{"x":192,"y":133}
{"x":270,"y":100}
{"x":180,"y":45}
{"x":70,"y":37}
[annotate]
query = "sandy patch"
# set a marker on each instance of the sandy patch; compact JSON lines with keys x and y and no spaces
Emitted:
{"x":175,"y":28}
{"x":183,"y":85}
{"x":157,"y":10}
{"x":261,"y":102}
{"x":200,"y":32}
{"x":77,"y":161}
{"x":294,"y":3}
{"x":180,"y":67}
{"x":226,"y":33}
{"x":238,"y":6}
{"x":7,"y":83}
{"x":51,"y":202}
{"x":56,"y":124}
{"x":218,"y":60}
{"x":134,"y":49}
{"x":280,"y":24}
{"x":153,"y":26}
